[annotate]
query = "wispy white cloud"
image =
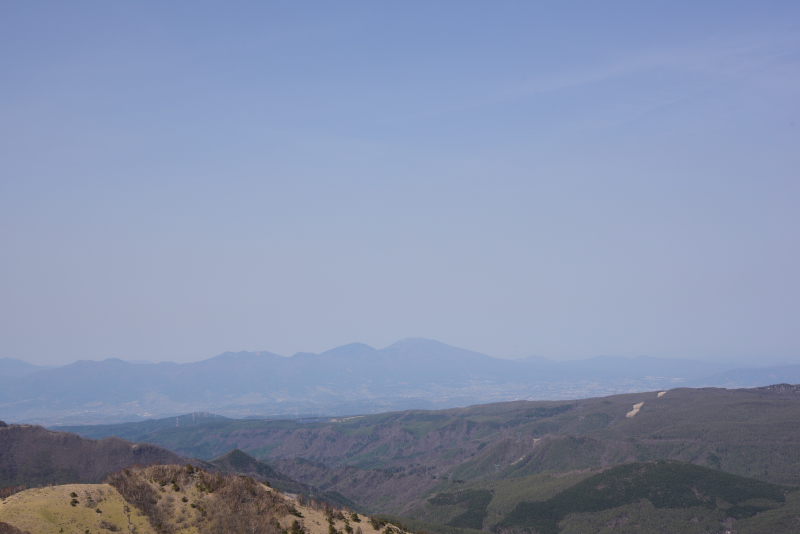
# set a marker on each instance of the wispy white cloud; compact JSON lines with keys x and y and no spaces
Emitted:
{"x":767,"y":61}
{"x":761,"y":64}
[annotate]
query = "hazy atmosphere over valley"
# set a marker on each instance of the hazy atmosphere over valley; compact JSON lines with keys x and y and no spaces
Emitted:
{"x":180,"y":180}
{"x":399,"y":267}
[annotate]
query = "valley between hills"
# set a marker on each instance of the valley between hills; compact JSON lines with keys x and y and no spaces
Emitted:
{"x":689,"y":460}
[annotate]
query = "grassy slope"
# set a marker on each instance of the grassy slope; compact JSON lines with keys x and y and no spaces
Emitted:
{"x":48,"y":510}
{"x":450,"y":500}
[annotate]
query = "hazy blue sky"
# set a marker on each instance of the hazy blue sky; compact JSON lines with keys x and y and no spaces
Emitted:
{"x":565,"y":179}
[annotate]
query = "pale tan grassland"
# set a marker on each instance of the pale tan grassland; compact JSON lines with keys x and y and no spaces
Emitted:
{"x":48,"y":510}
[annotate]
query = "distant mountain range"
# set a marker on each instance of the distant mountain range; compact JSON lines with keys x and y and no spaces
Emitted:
{"x":352,"y":379}
{"x":14,"y":368}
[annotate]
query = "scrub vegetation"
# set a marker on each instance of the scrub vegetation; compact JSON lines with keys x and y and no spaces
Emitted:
{"x":174,"y":499}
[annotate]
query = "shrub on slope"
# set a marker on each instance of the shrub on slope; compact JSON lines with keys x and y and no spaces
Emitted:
{"x":219,"y":503}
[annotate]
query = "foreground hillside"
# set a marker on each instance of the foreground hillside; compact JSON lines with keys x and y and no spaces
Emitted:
{"x":33,"y":456}
{"x":50,"y":510}
{"x":176,"y":500}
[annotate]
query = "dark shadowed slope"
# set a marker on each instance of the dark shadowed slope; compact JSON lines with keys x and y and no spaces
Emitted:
{"x":237,"y":462}
{"x":32,"y":455}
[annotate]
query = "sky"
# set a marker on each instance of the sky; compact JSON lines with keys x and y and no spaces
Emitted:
{"x":179,"y":179}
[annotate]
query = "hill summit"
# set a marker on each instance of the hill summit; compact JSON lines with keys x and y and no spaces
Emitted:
{"x":173,"y":499}
{"x":32,"y":455}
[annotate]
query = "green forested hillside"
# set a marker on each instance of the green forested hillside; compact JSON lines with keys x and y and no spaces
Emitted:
{"x":657,"y":497}
{"x":32,"y":455}
{"x":453,"y":504}
{"x":711,"y":495}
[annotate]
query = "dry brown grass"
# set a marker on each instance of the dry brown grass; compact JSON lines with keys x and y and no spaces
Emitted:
{"x":172,"y":499}
{"x":51,"y":511}
{"x":181,"y":499}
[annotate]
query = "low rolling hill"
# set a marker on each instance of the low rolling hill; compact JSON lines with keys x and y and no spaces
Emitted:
{"x":50,"y":510}
{"x":32,"y":455}
{"x":176,"y":500}
{"x":670,"y":489}
{"x":640,"y":497}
